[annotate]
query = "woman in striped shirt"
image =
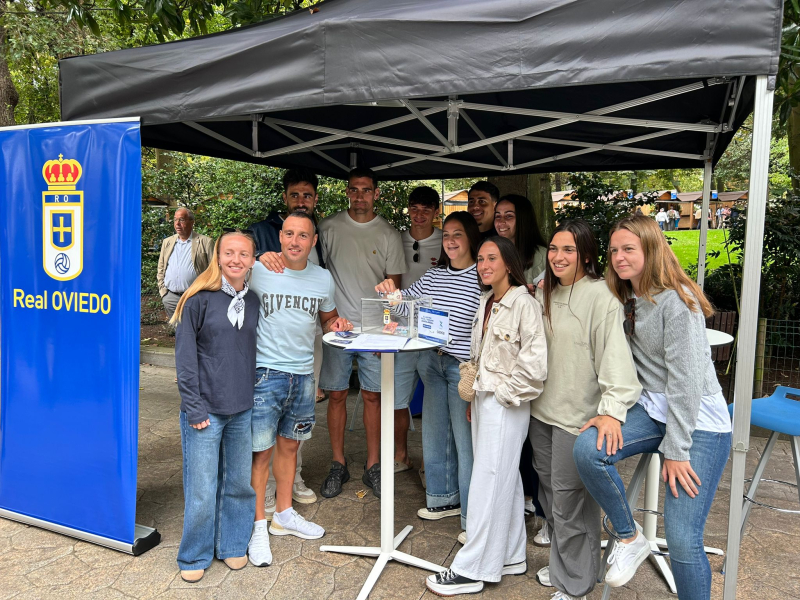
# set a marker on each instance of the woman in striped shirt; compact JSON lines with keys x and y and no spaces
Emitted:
{"x":446,"y":433}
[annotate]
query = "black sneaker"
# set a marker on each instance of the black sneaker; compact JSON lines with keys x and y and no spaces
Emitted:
{"x":450,"y":583}
{"x":372,"y":478}
{"x":439,"y":512}
{"x":338,"y":475}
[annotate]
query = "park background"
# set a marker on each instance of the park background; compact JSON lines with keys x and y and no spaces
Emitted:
{"x":36,"y":34}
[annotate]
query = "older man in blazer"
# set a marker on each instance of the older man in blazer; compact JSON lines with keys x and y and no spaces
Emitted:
{"x":183,"y":257}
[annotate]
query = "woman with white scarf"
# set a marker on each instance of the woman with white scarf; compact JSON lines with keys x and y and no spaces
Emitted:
{"x":215,"y":356}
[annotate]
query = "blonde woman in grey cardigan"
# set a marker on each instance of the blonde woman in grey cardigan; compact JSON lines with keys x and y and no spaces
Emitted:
{"x":591,"y":382}
{"x":680,"y":414}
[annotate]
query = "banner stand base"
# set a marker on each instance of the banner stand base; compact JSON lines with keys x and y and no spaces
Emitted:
{"x":145,"y":538}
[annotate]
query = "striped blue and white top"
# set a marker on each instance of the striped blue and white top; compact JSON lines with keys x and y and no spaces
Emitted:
{"x":458,"y":292}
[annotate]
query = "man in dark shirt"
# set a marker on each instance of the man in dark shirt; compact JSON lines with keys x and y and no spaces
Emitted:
{"x":299,"y":194}
{"x":482,"y":198}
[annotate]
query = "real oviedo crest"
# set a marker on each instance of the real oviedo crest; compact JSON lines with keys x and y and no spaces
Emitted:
{"x":62,"y":219}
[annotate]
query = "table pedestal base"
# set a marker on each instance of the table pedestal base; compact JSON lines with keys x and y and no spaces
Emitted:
{"x":383,"y":558}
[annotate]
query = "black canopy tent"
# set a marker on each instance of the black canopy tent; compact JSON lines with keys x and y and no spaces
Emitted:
{"x":417,"y":88}
{"x":432,"y":88}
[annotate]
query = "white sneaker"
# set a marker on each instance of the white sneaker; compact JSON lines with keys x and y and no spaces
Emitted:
{"x":295,"y":525}
{"x":519,"y":568}
{"x":269,"y":502}
{"x":625,"y":559}
{"x":543,"y":537}
{"x":543,"y":576}
{"x":565,"y":596}
{"x":258,"y":550}
{"x":301,"y":494}
{"x":462,"y":537}
{"x":529,"y":507}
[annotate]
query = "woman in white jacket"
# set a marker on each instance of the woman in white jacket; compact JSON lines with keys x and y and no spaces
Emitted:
{"x":509,"y":346}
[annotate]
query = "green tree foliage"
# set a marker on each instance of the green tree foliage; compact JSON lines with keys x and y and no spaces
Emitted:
{"x":601,"y":204}
{"x":780,"y":271}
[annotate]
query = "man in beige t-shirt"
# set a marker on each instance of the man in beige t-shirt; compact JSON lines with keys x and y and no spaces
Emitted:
{"x":360,"y":249}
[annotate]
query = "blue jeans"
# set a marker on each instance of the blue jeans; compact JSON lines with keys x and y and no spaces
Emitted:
{"x":283,"y":405}
{"x":220,"y":505}
{"x":446,"y":433}
{"x":684,"y":517}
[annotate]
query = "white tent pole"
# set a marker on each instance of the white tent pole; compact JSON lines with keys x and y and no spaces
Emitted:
{"x":701,"y":251}
{"x":748,"y":318}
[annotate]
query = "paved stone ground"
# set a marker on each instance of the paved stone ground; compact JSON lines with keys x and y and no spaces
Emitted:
{"x":37,"y":564}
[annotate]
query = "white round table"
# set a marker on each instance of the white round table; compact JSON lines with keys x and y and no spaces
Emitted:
{"x":718,"y":338}
{"x":389,"y":542}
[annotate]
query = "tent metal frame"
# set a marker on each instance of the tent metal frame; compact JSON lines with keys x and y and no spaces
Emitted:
{"x":446,"y":148}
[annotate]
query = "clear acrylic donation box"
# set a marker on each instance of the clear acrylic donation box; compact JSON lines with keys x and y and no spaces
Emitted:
{"x":395,"y":317}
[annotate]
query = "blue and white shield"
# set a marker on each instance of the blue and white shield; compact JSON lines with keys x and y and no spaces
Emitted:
{"x":62,"y":221}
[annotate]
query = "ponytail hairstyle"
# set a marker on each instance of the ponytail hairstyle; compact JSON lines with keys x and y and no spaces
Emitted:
{"x":662,"y":271}
{"x":510,"y":256}
{"x":209,"y":280}
{"x":588,"y":257}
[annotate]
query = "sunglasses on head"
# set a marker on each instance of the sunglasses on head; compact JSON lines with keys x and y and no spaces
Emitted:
{"x":629,"y":324}
{"x":415,"y":247}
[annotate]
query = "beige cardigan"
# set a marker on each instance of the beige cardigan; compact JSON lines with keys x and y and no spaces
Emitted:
{"x":202,"y":253}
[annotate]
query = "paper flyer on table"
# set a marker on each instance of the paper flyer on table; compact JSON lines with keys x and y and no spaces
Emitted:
{"x":434,"y":325}
{"x":366,"y":342}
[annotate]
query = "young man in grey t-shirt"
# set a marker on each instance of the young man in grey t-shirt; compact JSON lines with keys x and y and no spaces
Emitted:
{"x":360,"y":248}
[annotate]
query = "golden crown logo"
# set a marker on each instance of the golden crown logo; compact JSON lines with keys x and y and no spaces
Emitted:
{"x":62,"y":175}
{"x":62,"y":219}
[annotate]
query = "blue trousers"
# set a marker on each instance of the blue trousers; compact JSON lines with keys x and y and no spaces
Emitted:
{"x":219,"y":505}
{"x":684,"y":517}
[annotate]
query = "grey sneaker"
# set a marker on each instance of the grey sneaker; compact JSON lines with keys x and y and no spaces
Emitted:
{"x":297,"y":526}
{"x":337,"y":476}
{"x":372,"y":478}
{"x":301,"y":494}
{"x":258,"y":550}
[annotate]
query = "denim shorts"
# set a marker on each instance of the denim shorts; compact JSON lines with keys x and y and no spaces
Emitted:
{"x":405,"y":378}
{"x":283,"y":405}
{"x":337,"y":364}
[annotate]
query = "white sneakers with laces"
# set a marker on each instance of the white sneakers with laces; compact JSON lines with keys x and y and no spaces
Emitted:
{"x":295,"y":525}
{"x":625,"y":559}
{"x":258,"y":550}
{"x":543,"y":576}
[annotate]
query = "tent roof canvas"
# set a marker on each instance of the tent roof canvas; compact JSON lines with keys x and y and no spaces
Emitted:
{"x":413,"y":87}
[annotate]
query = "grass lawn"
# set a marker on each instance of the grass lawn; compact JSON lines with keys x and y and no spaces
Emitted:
{"x":685,"y":243}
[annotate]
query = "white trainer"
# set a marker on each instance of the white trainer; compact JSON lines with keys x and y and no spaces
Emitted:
{"x":462,"y":537}
{"x":565,"y":596}
{"x":543,"y":537}
{"x":258,"y":550}
{"x":269,"y":502}
{"x":295,"y":525}
{"x":529,"y":507}
{"x":301,"y":494}
{"x":625,"y":559}
{"x":543,"y":576}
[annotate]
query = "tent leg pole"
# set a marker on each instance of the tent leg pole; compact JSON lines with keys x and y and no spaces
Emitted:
{"x":748,"y":319}
{"x":701,"y":252}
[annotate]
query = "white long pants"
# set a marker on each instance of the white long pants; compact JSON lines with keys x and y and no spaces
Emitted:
{"x":496,"y":516}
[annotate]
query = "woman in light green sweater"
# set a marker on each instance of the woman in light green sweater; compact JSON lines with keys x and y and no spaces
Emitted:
{"x":591,"y":382}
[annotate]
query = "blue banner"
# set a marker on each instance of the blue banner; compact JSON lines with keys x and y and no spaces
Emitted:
{"x":70,"y":272}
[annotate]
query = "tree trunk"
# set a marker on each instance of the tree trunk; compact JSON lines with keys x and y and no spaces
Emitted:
{"x":793,"y":131}
{"x":537,"y":189}
{"x":8,"y":93}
